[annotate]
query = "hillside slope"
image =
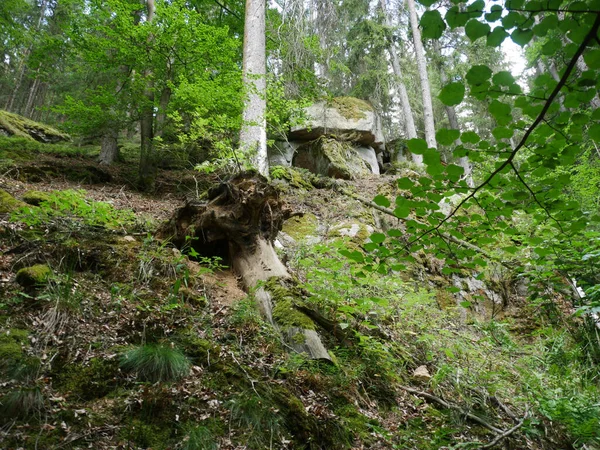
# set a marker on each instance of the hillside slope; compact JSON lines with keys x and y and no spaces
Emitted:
{"x":112,"y":338}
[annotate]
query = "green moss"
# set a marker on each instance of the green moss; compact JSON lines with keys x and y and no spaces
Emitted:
{"x":284,"y":312}
{"x":356,"y":423}
{"x":15,"y":335}
{"x":9,"y":351}
{"x":146,"y":435}
{"x":201,"y":351}
{"x":93,"y":380}
{"x":35,"y":197}
{"x":299,"y":227}
{"x":34,"y":276}
{"x":8,"y":203}
{"x":295,"y":176}
{"x":16,"y":125}
{"x":351,"y":107}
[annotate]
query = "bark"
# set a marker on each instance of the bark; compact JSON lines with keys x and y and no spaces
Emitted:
{"x":243,"y":216}
{"x":31,"y":97}
{"x":163,"y":104}
{"x":422,"y":68}
{"x":409,"y":122}
{"x":109,"y":149}
{"x":253,"y":136}
{"x":147,"y":170}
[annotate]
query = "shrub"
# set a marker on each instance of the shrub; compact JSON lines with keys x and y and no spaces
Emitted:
{"x":156,"y":362}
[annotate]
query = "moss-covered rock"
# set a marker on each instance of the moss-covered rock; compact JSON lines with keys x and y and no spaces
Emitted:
{"x":34,"y":276}
{"x":351,"y":107}
{"x":16,"y":125}
{"x":8,"y":203}
{"x":284,"y":312}
{"x":300,"y":227}
{"x":294,"y":176}
{"x":332,"y":158}
{"x":35,"y":197}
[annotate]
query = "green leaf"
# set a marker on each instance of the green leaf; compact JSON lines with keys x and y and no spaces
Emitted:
{"x":478,"y":74}
{"x":470,"y":137}
{"x":594,"y":132}
{"x":405,"y":183}
{"x":454,"y":172}
{"x":496,"y":37}
{"x":447,"y":136}
{"x":552,"y":46}
{"x":417,"y":146}
{"x":475,"y":29}
{"x":521,"y":37}
{"x":402,"y":212}
{"x":465,"y":304}
{"x":592,"y":59}
{"x":432,"y":24}
{"x":502,"y":133}
{"x":503,"y":78}
{"x":426,"y":3}
{"x":452,"y":94}
{"x":501,"y":112}
{"x":381,"y":201}
{"x":455,"y":18}
{"x":377,"y":238}
{"x":494,"y":14}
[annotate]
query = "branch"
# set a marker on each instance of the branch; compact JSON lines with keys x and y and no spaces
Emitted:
{"x":572,"y":63}
{"x":447,"y":405}
{"x":505,"y":434}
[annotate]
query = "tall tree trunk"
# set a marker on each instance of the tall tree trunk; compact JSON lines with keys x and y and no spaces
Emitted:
{"x":147,"y":171}
{"x":253,"y":136}
{"x":453,"y":118}
{"x":109,"y":147}
{"x":161,"y":115}
{"x":32,"y":93}
{"x":422,"y":68}
{"x":409,"y":121}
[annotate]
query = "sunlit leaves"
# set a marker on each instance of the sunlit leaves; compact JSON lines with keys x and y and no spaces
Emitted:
{"x":594,"y":132}
{"x":496,"y":37}
{"x":432,"y":24}
{"x":475,"y":29}
{"x":521,"y":36}
{"x":381,"y":201}
{"x":501,"y":112}
{"x":447,"y":136}
{"x":417,"y":146}
{"x":452,"y":94}
{"x":478,"y":74}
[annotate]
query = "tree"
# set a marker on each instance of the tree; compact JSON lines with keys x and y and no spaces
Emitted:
{"x":253,"y":136}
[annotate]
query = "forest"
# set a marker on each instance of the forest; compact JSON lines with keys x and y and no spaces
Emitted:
{"x":299,"y":224}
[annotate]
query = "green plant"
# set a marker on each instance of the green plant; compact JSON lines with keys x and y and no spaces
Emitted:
{"x":199,"y":438}
{"x":156,"y":362}
{"x":22,"y":402}
{"x":71,"y":207}
{"x":258,"y":417}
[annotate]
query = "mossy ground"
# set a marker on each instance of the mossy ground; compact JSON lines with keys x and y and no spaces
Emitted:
{"x":244,"y":388}
{"x":351,"y":107}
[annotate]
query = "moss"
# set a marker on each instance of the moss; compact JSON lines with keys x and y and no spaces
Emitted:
{"x":16,"y":125}
{"x":284,"y":312}
{"x":8,"y":203}
{"x":201,"y":351}
{"x":9,"y":351}
{"x":35,"y":197}
{"x":445,"y":299}
{"x":300,"y":227}
{"x":146,"y":435}
{"x":34,"y":276}
{"x":356,"y":423}
{"x":93,"y":380}
{"x":15,"y":335}
{"x":193,"y":297}
{"x":295,"y":176}
{"x":351,"y":107}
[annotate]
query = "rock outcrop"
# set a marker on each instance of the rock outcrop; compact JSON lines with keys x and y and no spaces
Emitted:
{"x":16,"y":125}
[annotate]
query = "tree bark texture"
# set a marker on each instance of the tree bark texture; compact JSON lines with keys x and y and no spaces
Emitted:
{"x":253,"y":136}
{"x":422,"y":68}
{"x":409,"y":121}
{"x":147,"y":169}
{"x":109,"y":149}
{"x":244,"y":215}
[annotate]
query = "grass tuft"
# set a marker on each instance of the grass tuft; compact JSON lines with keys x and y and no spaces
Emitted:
{"x":23,"y":402}
{"x":200,"y":438}
{"x":156,"y":362}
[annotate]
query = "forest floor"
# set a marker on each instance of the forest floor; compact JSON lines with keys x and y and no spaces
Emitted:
{"x":414,"y":370}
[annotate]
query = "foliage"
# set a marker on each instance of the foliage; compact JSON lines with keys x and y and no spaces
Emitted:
{"x":156,"y":362}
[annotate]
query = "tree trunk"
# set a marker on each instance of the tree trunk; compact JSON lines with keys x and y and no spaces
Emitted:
{"x":109,"y":149}
{"x":253,"y":136}
{"x":161,"y":116}
{"x":242,"y":217}
{"x":147,"y":170}
{"x":31,"y":97}
{"x":422,"y":68}
{"x":409,"y":122}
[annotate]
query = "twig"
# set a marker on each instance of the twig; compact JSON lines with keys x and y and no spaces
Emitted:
{"x":447,"y":405}
{"x":506,"y":433}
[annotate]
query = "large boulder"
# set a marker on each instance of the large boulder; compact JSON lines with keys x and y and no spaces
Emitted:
{"x":345,"y":118}
{"x":281,"y":153}
{"x":16,"y":125}
{"x":331,"y":158}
